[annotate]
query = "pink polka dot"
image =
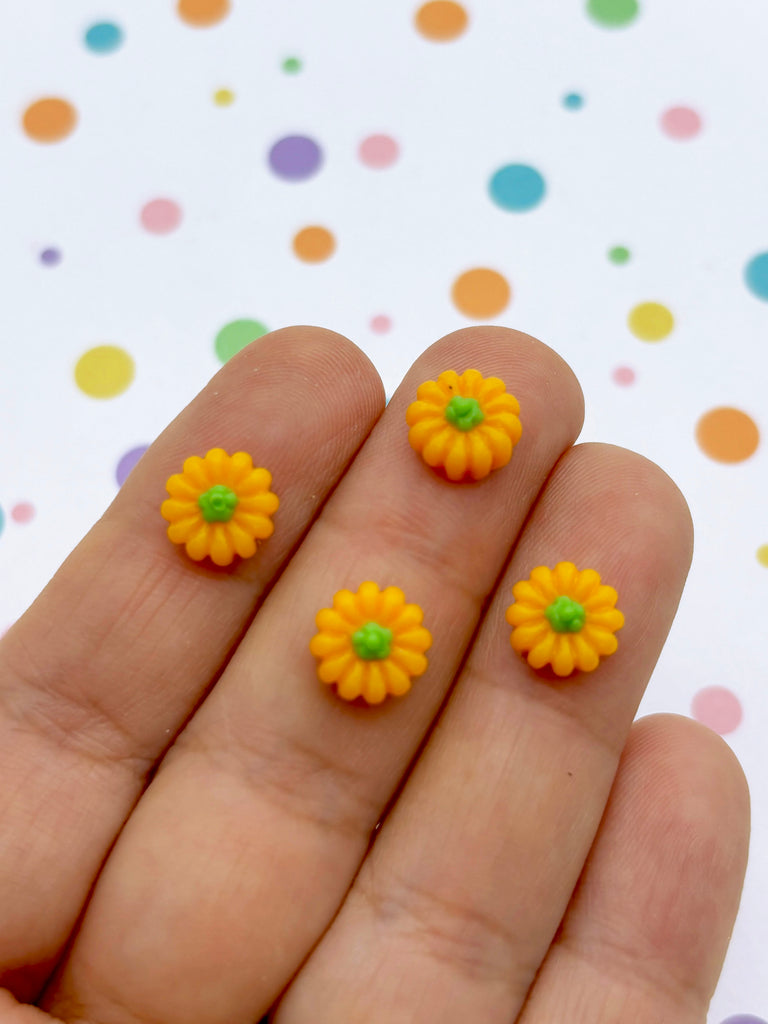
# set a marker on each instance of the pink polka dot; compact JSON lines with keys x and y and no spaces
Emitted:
{"x":161,"y":216}
{"x":24,"y":512}
{"x":378,"y":151}
{"x":680,"y":123}
{"x":718,"y":708}
{"x":381,"y":324}
{"x":624,"y":375}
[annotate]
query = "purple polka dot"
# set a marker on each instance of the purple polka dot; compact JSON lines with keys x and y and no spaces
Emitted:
{"x":50,"y":257}
{"x":127,"y":462}
{"x":295,"y":157}
{"x":744,"y":1018}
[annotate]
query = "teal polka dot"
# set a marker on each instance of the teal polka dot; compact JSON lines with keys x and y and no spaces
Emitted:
{"x":756,"y":275}
{"x":104,"y":37}
{"x":517,"y":187}
{"x":573,"y":101}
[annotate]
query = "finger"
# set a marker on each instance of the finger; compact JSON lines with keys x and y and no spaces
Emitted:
{"x":99,"y":674}
{"x":459,"y":899}
{"x":259,"y":817}
{"x":646,"y":933}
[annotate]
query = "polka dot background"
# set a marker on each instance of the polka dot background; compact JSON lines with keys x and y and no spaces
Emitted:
{"x":161,"y":221}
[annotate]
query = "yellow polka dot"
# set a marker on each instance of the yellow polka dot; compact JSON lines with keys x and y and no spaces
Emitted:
{"x":223,"y":97}
{"x":481,"y":293}
{"x":441,"y":20}
{"x":104,"y":371}
{"x":650,"y":321}
{"x":49,"y":120}
{"x":762,"y":555}
{"x":314,"y":244}
{"x":727,"y":435}
{"x":202,"y":13}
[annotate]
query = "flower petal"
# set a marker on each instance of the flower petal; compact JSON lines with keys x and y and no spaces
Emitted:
{"x":491,"y":388}
{"x":522,"y":614}
{"x":257,"y":480}
{"x":421,"y":433}
{"x":480,"y":456}
{"x":198,"y":544}
{"x":456,"y":459}
{"x":331,"y":669}
{"x":470,"y":383}
{"x":501,"y":404}
{"x":608,"y":618}
{"x":240,"y":465}
{"x":540,"y":655}
{"x":498,"y":444}
{"x":586,"y":586}
{"x":418,"y":639}
{"x":603,"y":641}
{"x":392,"y":602}
{"x":563,"y":661}
{"x":531,"y":596}
{"x":266,"y":503}
{"x":431,"y":393}
{"x":350,"y":683}
{"x":369,"y":600}
{"x":257,"y":526}
{"x":410,"y":616}
{"x":180,"y":531}
{"x":565,"y":575}
{"x":324,"y":645}
{"x":331,"y":621}
{"x":420,"y":412}
{"x":217,"y":466}
{"x":541,"y":579}
{"x":172,"y":509}
{"x":525,"y":638}
{"x":222,"y":549}
{"x":178,"y":486}
{"x":346,"y":604}
{"x":449,"y":385}
{"x":434,"y":450}
{"x":242,"y":541}
{"x":196,"y":472}
{"x":397,"y":680}
{"x":374,"y":687}
{"x":412,"y":662}
{"x":587,"y":658}
{"x":508,"y":423}
{"x":604,"y":597}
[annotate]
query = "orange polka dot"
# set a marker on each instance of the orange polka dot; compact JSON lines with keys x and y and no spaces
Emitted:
{"x":727,"y":435}
{"x":441,"y":20}
{"x":481,"y":293}
{"x":49,"y":120}
{"x":314,"y":244}
{"x":202,"y":12}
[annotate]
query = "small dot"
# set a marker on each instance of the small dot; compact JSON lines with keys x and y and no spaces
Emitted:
{"x":613,"y":13}
{"x":104,"y":371}
{"x":292,"y":65}
{"x":727,"y":435}
{"x":441,"y":20}
{"x":619,"y":254}
{"x":50,"y":257}
{"x":104,"y":37}
{"x":380,"y":324}
{"x":2,"y":520}
{"x":624,"y":375}
{"x":481,"y":293}
{"x":517,"y":187}
{"x":573,"y":101}
{"x":202,"y":13}
{"x":223,"y":97}
{"x":295,"y":157}
{"x":762,"y":555}
{"x":49,"y":120}
{"x":680,"y":123}
{"x":24,"y":512}
{"x":717,"y":708}
{"x":127,"y":462}
{"x":235,"y":336}
{"x":314,"y":244}
{"x":378,"y":151}
{"x":160,"y":216}
{"x":650,"y":321}
{"x":756,"y":275}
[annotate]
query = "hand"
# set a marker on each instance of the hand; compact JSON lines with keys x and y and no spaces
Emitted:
{"x":189,"y":817}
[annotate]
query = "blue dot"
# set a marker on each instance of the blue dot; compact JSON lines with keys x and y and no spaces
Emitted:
{"x":517,"y":187}
{"x":573,"y":101}
{"x":756,"y":275}
{"x":104,"y":37}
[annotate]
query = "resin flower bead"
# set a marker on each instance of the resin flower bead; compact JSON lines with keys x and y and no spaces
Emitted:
{"x":467,"y":425}
{"x":220,"y":506}
{"x":370,"y":643}
{"x":564,"y":618}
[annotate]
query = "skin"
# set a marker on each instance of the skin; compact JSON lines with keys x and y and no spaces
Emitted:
{"x":195,"y":828}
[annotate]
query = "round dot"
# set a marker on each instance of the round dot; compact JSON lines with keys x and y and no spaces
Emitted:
{"x":50,"y":257}
{"x":223,"y":97}
{"x":680,"y":123}
{"x":650,"y":321}
{"x":481,"y":293}
{"x":295,"y":157}
{"x":517,"y":187}
{"x":314,"y":244}
{"x":756,"y":275}
{"x":292,"y":65}
{"x":49,"y":120}
{"x":573,"y":101}
{"x":202,"y":13}
{"x":624,"y":375}
{"x":2,"y":520}
{"x":762,"y":555}
{"x":744,"y":1018}
{"x":127,"y":462}
{"x":619,"y":254}
{"x":717,"y":708}
{"x":381,"y":324}
{"x":727,"y":435}
{"x":236,"y":335}
{"x":161,"y":216}
{"x":613,"y":13}
{"x":378,"y":151}
{"x":104,"y":371}
{"x":23,"y":512}
{"x":104,"y":37}
{"x":441,"y":20}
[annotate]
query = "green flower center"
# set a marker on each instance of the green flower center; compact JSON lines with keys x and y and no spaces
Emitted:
{"x":565,"y":615}
{"x":372,"y":642}
{"x":217,"y":504}
{"x":464,"y":413}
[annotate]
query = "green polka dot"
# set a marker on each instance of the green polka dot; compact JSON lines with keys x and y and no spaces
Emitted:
{"x":236,"y":335}
{"x":618,"y":255}
{"x":613,"y":13}
{"x":291,"y":65}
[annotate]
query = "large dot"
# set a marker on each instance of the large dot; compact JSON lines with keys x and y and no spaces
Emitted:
{"x":717,"y":708}
{"x":745,"y":1018}
{"x":50,"y":257}
{"x":104,"y":37}
{"x":481,"y":293}
{"x":23,"y":512}
{"x":756,"y":275}
{"x":295,"y":157}
{"x":127,"y":462}
{"x":378,"y":151}
{"x":650,"y":321}
{"x":202,"y":13}
{"x":727,"y":435}
{"x":680,"y":123}
{"x":49,"y":120}
{"x":236,"y":335}
{"x":441,"y":20}
{"x":314,"y":244}
{"x":223,"y":97}
{"x":613,"y":13}
{"x":517,"y":187}
{"x":104,"y":371}
{"x":160,"y":216}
